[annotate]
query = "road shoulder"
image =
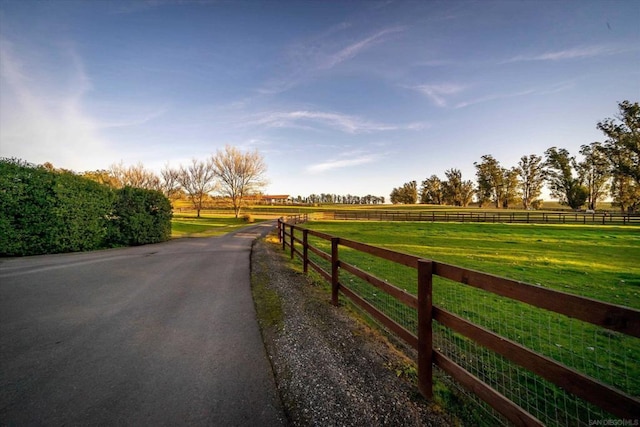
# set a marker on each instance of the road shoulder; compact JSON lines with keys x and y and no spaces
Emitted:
{"x":330,"y":368}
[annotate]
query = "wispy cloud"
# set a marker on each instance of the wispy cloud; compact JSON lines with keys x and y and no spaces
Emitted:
{"x":44,"y":116}
{"x":354,"y":49}
{"x":573,"y":53}
{"x":41,"y":122}
{"x":439,"y":93}
{"x":306,"y":119}
{"x":119,"y":116}
{"x":344,"y":161}
{"x":306,"y":59}
{"x":532,"y":91}
{"x":493,"y":97}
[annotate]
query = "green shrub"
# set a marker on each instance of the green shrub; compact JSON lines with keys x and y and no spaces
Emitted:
{"x":80,"y":216}
{"x":139,"y":217}
{"x":47,"y":211}
{"x":26,"y":203}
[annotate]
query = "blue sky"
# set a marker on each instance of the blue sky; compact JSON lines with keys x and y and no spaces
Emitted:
{"x":339,"y":97}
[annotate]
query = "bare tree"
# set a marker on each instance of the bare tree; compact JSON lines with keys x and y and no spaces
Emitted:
{"x":134,"y":176}
{"x":170,"y":181}
{"x":102,"y":177}
{"x":240,"y":174}
{"x":197,"y":180}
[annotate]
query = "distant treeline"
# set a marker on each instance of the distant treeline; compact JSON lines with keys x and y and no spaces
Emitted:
{"x":607,"y":169}
{"x":45,"y":211}
{"x":339,"y":199}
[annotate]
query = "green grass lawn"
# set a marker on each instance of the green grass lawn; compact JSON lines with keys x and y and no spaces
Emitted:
{"x":205,"y":226}
{"x":600,"y":262}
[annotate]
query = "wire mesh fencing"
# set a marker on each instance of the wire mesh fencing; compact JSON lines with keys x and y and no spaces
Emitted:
{"x":605,"y":355}
{"x":571,"y":342}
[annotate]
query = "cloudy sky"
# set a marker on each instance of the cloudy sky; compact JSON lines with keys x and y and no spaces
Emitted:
{"x":339,"y":97}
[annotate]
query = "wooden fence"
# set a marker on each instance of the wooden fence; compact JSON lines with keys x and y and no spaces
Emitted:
{"x":532,"y":217}
{"x":613,"y":317}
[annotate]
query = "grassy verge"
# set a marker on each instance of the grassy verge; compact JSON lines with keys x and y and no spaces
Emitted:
{"x":266,"y":300}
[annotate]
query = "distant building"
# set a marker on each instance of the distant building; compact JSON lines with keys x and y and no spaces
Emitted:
{"x":280,"y":199}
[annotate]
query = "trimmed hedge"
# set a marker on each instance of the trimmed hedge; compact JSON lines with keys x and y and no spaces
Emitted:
{"x":79,"y":219}
{"x":140,"y":217}
{"x":44,"y":211}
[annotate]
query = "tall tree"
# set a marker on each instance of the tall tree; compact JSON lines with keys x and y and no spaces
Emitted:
{"x":595,"y":173}
{"x":197,"y":180}
{"x":560,"y":168}
{"x":511,"y":188}
{"x":532,"y":176}
{"x":456,"y":191}
{"x":622,"y":147}
{"x":407,"y":194}
{"x":240,"y":173}
{"x":625,"y":193}
{"x":431,"y":191}
{"x":467,"y":191}
{"x":491,"y":181}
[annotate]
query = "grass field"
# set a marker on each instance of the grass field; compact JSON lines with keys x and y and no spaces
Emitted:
{"x":205,"y":226}
{"x":599,"y":262}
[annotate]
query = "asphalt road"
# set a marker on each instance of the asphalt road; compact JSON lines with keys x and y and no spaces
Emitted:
{"x":161,"y":334}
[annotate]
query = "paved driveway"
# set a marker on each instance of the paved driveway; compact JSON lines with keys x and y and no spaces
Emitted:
{"x":161,"y":334}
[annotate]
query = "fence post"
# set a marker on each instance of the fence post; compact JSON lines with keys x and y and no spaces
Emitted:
{"x":280,"y":229}
{"x":334,"y":270}
{"x":284,"y":240}
{"x":425,"y":337}
{"x":292,"y":241}
{"x":305,"y":250}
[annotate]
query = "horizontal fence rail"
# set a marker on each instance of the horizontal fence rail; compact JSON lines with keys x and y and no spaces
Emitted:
{"x":419,"y":332}
{"x":604,"y":218}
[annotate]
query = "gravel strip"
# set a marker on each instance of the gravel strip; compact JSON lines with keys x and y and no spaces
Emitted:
{"x":330,"y":369}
